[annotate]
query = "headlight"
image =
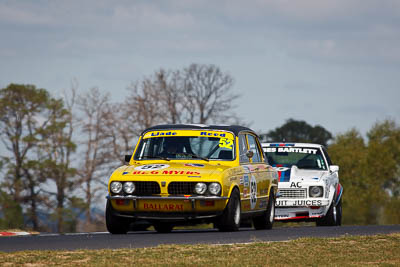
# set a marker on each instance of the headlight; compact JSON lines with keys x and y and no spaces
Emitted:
{"x":129,"y":187}
{"x":200,"y":188}
{"x":316,"y":191}
{"x":116,"y":187}
{"x":214,"y":188}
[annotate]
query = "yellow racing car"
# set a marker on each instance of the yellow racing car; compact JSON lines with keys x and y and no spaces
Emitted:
{"x":183,"y":174}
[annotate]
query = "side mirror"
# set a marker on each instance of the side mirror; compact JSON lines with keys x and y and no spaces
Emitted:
{"x":334,"y":168}
{"x":249,"y":154}
{"x":128,"y":158}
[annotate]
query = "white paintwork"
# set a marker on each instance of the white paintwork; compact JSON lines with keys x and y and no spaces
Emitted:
{"x":306,"y":208}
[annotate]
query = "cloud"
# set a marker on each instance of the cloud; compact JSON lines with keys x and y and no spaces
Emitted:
{"x":313,"y":10}
{"x":21,"y":15}
{"x":149,"y":17}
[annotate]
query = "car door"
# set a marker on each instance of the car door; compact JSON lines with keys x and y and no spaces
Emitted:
{"x":246,"y":173}
{"x":259,"y":169}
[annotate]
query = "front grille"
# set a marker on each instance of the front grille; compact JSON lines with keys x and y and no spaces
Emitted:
{"x":292,"y":193}
{"x":181,"y":188}
{"x":147,"y":188}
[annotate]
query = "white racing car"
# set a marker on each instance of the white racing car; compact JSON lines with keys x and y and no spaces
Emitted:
{"x":308,"y":184}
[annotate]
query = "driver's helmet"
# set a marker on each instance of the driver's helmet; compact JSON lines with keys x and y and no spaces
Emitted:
{"x":173,"y":143}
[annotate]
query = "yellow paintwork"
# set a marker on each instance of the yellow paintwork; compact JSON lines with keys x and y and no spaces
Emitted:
{"x":230,"y":174}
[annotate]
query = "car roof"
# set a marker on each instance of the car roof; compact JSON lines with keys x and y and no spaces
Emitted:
{"x":235,"y":129}
{"x":291,"y":144}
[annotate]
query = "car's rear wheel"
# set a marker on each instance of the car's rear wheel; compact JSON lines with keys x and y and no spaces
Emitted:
{"x":267,"y":219}
{"x":114,"y":224}
{"x":230,"y":219}
{"x":163,"y":227}
{"x":333,"y":217}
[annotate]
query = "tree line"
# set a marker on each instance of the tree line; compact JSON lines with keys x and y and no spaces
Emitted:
{"x":369,"y":167}
{"x":57,"y":154}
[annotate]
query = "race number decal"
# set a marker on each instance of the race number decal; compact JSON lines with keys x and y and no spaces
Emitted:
{"x":225,"y":142}
{"x":253,"y":192}
{"x":151,"y":167}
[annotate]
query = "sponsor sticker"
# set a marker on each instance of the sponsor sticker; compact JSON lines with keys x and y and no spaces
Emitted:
{"x":245,"y":192}
{"x":167,"y":172}
{"x":298,"y":203}
{"x":246,"y":169}
{"x":292,"y":150}
{"x":253,"y":192}
{"x":151,"y":167}
{"x":246,"y":180}
{"x":169,"y":133}
{"x":163,"y":207}
{"x":295,"y":185}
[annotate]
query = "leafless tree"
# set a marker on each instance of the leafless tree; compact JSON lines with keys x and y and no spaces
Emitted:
{"x":198,"y":94}
{"x":208,"y":94}
{"x":154,"y":100}
{"x":168,"y":85}
{"x":94,"y":146}
{"x":122,"y":131}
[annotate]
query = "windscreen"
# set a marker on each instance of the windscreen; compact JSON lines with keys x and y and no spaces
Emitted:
{"x":180,"y":145}
{"x":302,"y":157}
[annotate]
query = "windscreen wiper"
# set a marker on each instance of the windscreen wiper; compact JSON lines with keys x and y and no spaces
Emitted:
{"x":156,"y":157}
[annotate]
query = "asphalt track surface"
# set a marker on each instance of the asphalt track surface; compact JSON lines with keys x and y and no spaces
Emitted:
{"x":207,"y":236}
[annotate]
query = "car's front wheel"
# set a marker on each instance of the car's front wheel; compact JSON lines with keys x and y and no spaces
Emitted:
{"x":333,"y":217}
{"x":230,"y":219}
{"x":267,"y":219}
{"x":115,"y":225}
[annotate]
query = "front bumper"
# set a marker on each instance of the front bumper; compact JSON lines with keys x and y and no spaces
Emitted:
{"x":300,"y":209}
{"x":305,"y":202}
{"x":173,"y":208}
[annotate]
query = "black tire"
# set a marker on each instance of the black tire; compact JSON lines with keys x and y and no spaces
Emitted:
{"x":267,"y":219}
{"x":339,"y":213}
{"x":230,"y":219}
{"x":163,"y":227}
{"x":333,"y":217}
{"x":115,"y":225}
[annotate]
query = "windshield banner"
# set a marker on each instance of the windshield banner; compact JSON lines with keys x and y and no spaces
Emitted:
{"x":292,"y":149}
{"x":200,"y":133}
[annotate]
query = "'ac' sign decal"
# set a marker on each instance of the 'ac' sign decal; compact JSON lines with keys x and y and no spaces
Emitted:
{"x":295,"y":185}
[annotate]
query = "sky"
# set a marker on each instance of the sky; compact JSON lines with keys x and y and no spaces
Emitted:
{"x":331,"y":63}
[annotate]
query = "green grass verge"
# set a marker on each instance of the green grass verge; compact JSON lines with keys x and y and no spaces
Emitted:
{"x":382,"y":250}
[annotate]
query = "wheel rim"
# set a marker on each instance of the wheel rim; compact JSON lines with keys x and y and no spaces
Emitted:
{"x":272,"y":213}
{"x":334,"y":213}
{"x":237,"y":214}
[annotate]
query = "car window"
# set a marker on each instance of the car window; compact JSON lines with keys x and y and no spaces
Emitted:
{"x":186,"y":147}
{"x":243,"y":149}
{"x":254,"y":147}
